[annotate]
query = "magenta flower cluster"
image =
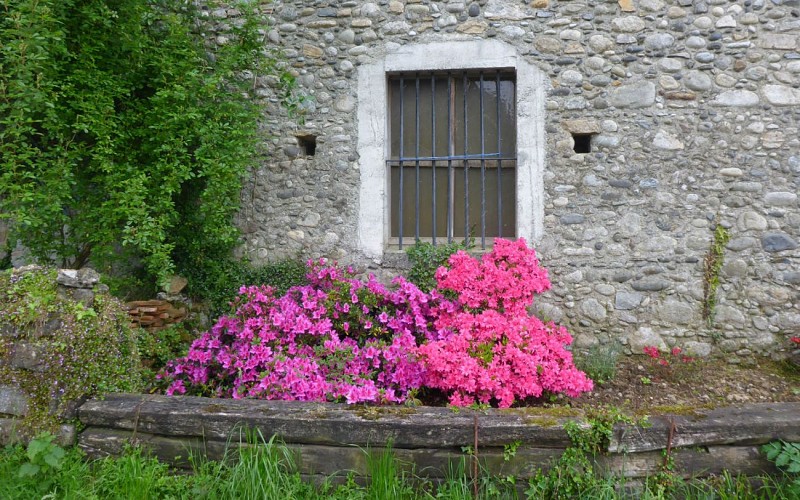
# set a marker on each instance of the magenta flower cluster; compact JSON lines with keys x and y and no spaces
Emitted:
{"x":495,"y":349}
{"x":342,"y":339}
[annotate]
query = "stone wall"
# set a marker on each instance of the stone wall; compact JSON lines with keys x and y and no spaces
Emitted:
{"x":693,"y":108}
{"x":331,"y":439}
{"x":26,"y":352}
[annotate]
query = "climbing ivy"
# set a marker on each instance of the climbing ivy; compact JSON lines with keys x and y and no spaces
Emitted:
{"x":712,"y":267}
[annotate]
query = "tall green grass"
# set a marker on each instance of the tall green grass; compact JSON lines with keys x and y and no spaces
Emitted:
{"x":261,"y":468}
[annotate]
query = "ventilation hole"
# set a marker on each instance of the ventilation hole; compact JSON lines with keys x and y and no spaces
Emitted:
{"x":583,"y":143}
{"x":308,"y":144}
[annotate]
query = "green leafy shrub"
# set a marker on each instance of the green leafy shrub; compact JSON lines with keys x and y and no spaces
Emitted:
{"x":425,"y":259}
{"x":80,"y":350}
{"x":123,"y":137}
{"x":217,"y":282}
{"x":44,"y":456}
{"x":787,"y":457}
{"x":158,"y":347}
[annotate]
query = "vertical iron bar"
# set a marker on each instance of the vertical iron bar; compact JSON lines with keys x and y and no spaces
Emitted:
{"x":451,"y":148}
{"x":402,"y":154}
{"x":499,"y":161}
{"x":466,"y":164}
{"x":483,"y":170}
{"x":416,"y":162}
{"x":433,"y":154}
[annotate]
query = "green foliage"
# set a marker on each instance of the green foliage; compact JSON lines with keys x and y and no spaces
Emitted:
{"x":787,"y":457}
{"x":387,"y":479}
{"x":121,"y":135}
{"x":594,"y":438}
{"x":510,"y":450}
{"x":425,"y":259}
{"x":81,"y":350}
{"x":5,"y":257}
{"x":44,"y":457}
{"x":135,"y":475}
{"x":158,"y":347}
{"x":260,"y":468}
{"x":712,"y":266}
{"x":599,"y":362}
{"x":218,"y":281}
{"x":573,"y":476}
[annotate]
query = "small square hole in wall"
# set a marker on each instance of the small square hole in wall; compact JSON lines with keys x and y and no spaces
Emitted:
{"x":308,"y":144}
{"x":583,"y":143}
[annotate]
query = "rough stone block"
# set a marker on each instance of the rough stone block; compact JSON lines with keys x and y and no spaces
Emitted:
{"x":78,"y":278}
{"x":778,"y":242}
{"x":28,"y":357}
{"x":9,"y":330}
{"x":635,"y":95}
{"x":13,"y":401}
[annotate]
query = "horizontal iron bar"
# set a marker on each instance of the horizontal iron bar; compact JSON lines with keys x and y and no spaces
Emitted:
{"x":493,"y":156}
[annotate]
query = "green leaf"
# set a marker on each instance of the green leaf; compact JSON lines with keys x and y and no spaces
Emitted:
{"x":54,"y":457}
{"x":28,"y":470}
{"x":38,"y":446}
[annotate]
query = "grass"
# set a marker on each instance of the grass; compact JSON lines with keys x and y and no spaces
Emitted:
{"x":264,"y":469}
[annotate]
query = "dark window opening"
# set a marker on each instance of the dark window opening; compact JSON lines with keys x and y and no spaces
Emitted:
{"x":583,"y":143}
{"x":308,"y":144}
{"x":452,"y":156}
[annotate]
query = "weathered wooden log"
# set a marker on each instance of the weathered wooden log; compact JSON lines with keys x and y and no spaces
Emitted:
{"x":316,"y":423}
{"x":751,"y":424}
{"x":319,"y":459}
{"x":688,"y":462}
{"x":331,"y":439}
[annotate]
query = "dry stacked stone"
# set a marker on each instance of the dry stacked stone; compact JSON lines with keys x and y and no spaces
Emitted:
{"x":154,"y":315}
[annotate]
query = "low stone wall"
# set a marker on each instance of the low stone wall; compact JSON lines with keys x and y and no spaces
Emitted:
{"x":27,"y":353}
{"x":331,"y":439}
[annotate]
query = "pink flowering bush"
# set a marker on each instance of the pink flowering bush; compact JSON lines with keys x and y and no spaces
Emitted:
{"x":661,"y":358}
{"x":336,"y":339}
{"x":666,"y":364}
{"x":342,"y":339}
{"x":490,"y":348}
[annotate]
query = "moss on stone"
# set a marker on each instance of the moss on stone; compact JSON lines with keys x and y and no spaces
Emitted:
{"x":377,"y":412}
{"x":59,"y":351}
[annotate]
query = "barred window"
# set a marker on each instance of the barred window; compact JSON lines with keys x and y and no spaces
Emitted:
{"x":452,"y":156}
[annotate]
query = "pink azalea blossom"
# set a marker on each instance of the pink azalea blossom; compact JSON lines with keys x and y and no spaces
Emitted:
{"x":311,"y":345}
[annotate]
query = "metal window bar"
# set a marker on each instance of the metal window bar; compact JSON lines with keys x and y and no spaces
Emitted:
{"x":499,"y":161}
{"x":451,"y":150}
{"x":466,"y":163}
{"x":433,"y":163}
{"x":416,"y":162}
{"x":402,"y":140}
{"x":402,"y":159}
{"x":483,"y":169}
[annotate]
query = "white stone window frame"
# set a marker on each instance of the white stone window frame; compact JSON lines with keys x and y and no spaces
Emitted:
{"x":373,"y":130}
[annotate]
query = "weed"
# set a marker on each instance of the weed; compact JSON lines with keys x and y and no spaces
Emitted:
{"x":44,"y":458}
{"x":510,"y":450}
{"x":599,"y":362}
{"x":787,"y":457}
{"x":712,"y":266}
